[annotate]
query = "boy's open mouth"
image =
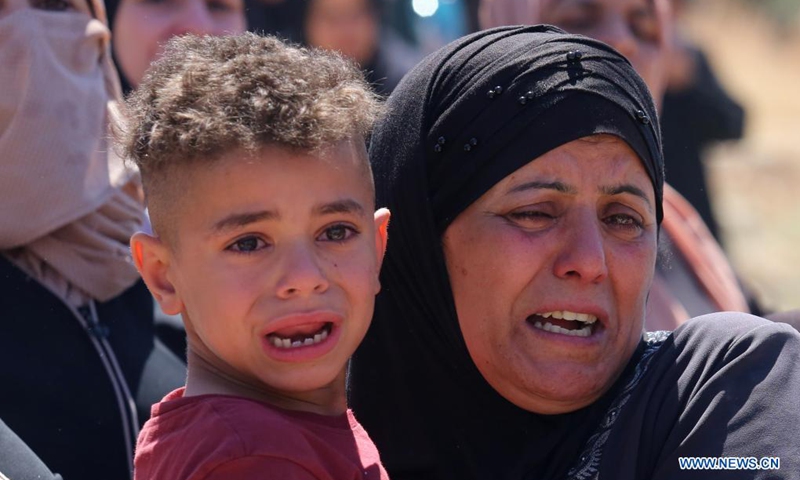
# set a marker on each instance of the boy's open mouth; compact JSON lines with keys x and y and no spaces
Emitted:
{"x":300,"y":336}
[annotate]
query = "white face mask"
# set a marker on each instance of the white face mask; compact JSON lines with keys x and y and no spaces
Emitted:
{"x":53,"y":120}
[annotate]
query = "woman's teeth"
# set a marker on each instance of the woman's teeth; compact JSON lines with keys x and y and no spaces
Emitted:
{"x":567,"y":315}
{"x":549,"y":327}
{"x":280,"y":342}
{"x":586,"y":319}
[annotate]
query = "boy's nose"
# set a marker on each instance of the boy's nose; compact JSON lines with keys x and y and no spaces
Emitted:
{"x":301,"y":273}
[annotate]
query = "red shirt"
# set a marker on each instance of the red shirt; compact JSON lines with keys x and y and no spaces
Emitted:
{"x":227,"y":437}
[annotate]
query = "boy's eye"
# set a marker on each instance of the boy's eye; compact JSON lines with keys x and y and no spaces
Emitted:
{"x":337,"y":233}
{"x":247,"y":245}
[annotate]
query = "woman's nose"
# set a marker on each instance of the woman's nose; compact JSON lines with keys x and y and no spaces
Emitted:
{"x":301,"y":272}
{"x":582,"y":255}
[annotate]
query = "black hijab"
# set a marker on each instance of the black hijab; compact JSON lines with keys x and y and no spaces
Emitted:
{"x":466,"y":117}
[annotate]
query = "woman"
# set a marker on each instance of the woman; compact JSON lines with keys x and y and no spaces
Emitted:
{"x":353,"y":28}
{"x":142,"y":27}
{"x":523,"y":168}
{"x":81,"y":367}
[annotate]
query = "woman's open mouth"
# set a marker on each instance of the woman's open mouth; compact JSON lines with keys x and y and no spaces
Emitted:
{"x":564,"y":322}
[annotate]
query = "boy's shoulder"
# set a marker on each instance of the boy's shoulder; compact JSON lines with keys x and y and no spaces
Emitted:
{"x":221,"y":424}
{"x":191,"y":437}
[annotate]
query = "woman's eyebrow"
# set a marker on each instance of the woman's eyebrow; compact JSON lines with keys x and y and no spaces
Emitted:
{"x":537,"y":185}
{"x":626,"y":188}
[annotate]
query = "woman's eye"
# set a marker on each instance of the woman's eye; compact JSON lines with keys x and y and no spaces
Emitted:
{"x":53,"y":5}
{"x":219,"y":6}
{"x":623,"y":221}
{"x":247,"y":245}
{"x":575,"y":20}
{"x":578,"y":24}
{"x":337,"y":233}
{"x":646,"y":28}
{"x":530,"y":216}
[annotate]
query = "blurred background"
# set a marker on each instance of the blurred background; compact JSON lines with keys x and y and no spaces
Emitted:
{"x":754,"y":47}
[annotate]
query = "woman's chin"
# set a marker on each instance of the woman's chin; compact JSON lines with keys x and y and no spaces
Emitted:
{"x":562,"y":389}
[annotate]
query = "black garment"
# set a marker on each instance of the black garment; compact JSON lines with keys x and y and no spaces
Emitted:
{"x":465,"y":118}
{"x":17,"y":461}
{"x":76,"y":390}
{"x":722,"y":385}
{"x":692,"y":120}
{"x":462,"y":120}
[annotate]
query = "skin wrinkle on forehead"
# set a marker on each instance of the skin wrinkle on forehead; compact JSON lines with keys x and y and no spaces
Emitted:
{"x":564,"y":188}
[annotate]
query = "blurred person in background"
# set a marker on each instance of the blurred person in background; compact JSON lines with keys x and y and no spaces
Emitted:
{"x":694,"y":277}
{"x":353,"y":28}
{"x":81,"y":363}
{"x":142,"y":27}
{"x":697,"y":113}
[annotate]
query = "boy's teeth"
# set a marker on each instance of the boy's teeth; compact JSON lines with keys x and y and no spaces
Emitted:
{"x":549,"y":327}
{"x":305,"y":342}
{"x":571,"y":316}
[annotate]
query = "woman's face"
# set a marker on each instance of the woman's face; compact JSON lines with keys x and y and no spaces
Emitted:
{"x":346,"y":26}
{"x":636,"y":28}
{"x":571,"y":234}
{"x":142,"y":27}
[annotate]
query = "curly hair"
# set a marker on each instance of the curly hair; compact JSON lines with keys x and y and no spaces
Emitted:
{"x":210,"y":95}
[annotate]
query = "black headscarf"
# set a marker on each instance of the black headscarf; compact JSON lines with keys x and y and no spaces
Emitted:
{"x":466,"y":117}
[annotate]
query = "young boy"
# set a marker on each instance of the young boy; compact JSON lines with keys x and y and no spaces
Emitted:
{"x":261,"y":199}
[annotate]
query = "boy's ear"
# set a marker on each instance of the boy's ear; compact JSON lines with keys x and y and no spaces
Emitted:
{"x":381,"y":232}
{"x":152,"y":260}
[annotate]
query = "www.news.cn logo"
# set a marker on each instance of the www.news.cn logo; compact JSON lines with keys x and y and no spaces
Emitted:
{"x":729,"y":463}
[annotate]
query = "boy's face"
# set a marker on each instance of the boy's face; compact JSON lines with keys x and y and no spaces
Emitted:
{"x":275,"y":266}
